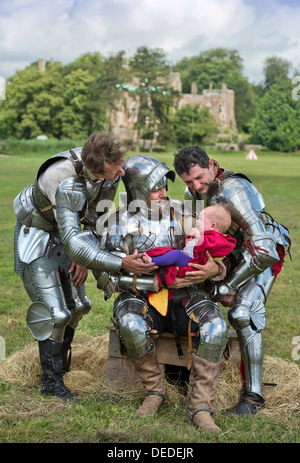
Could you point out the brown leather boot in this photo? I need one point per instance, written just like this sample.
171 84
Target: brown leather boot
148 370
203 385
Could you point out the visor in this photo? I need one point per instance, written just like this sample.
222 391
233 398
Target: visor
162 183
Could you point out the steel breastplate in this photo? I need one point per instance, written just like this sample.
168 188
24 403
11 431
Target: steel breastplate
147 231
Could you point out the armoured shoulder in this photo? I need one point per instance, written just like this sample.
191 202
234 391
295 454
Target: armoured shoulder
72 155
239 189
239 195
71 194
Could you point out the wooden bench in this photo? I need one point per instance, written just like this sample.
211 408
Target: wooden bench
117 369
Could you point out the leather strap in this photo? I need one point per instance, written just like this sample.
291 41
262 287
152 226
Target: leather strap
78 163
155 393
134 289
162 277
202 410
46 219
174 326
27 225
189 365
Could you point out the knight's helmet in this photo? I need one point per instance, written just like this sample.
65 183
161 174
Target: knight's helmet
144 174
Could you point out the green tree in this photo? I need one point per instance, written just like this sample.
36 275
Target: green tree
74 117
277 121
246 98
192 125
33 102
217 66
154 93
103 93
275 70
209 67
70 101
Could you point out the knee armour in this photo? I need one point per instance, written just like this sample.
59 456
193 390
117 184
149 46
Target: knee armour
133 324
249 308
46 322
48 315
212 326
239 315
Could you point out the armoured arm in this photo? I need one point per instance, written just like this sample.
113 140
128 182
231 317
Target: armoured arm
258 248
113 283
112 238
82 246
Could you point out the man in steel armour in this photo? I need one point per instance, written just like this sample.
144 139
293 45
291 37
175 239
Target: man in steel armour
55 245
254 263
150 219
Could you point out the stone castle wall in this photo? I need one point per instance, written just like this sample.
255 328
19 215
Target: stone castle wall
220 103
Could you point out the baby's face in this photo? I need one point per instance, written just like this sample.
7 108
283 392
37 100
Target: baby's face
204 222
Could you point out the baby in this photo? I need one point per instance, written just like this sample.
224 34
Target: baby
208 235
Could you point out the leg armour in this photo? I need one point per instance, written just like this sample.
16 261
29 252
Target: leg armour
247 317
48 314
133 325
212 326
76 300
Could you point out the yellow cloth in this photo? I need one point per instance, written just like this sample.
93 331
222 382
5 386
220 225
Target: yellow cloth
160 301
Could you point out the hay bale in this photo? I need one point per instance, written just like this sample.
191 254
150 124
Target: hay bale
284 398
229 386
89 355
23 367
88 358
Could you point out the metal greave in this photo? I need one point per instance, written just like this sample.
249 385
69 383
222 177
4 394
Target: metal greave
56 303
247 317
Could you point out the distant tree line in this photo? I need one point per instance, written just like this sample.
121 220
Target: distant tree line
74 100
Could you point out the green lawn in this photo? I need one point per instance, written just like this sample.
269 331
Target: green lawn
100 415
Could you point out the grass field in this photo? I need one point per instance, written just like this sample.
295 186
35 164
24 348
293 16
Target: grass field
105 416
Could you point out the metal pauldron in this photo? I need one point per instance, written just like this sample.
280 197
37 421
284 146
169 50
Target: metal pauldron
133 325
260 235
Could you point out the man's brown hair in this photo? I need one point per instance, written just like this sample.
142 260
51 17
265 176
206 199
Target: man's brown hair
100 148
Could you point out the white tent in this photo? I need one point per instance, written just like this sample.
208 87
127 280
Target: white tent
251 155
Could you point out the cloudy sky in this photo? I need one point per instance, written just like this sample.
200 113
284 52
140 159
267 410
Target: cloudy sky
65 29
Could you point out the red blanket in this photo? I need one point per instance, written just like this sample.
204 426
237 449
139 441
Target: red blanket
216 243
